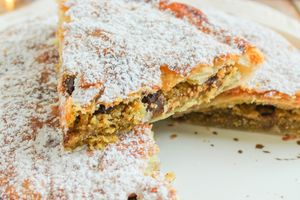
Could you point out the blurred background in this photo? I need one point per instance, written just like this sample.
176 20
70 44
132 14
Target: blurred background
11 5
288 7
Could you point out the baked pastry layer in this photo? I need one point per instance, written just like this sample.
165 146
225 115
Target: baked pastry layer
251 117
127 62
270 98
33 163
105 122
280 70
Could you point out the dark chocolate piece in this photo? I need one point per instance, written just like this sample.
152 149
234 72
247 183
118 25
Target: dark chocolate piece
155 103
69 84
103 110
132 197
265 110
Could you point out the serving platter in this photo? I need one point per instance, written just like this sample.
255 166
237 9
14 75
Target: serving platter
220 164
214 164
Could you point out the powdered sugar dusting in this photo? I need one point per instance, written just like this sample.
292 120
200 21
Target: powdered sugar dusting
281 69
121 45
33 163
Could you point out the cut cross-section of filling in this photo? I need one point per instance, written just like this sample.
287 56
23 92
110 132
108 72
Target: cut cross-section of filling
104 122
252 117
123 63
270 99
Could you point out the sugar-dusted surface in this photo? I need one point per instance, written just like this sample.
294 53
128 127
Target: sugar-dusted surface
281 69
118 46
32 161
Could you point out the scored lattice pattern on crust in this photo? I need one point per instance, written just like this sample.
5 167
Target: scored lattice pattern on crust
33 163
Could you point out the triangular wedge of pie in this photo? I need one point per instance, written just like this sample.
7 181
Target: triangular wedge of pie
33 162
124 62
270 99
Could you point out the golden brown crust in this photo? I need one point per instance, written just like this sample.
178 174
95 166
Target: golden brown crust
169 78
276 82
123 70
200 20
239 95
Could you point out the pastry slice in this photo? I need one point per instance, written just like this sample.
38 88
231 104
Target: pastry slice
270 99
33 163
124 62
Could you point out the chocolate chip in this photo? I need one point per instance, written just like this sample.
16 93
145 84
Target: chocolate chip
212 80
69 84
265 110
155 102
77 120
151 98
103 110
132 197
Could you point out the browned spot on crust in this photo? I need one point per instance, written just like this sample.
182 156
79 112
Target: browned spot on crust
195 16
43 58
11 192
44 76
99 33
29 193
35 125
55 111
86 84
154 190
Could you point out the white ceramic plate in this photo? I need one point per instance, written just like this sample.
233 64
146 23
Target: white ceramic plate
209 166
